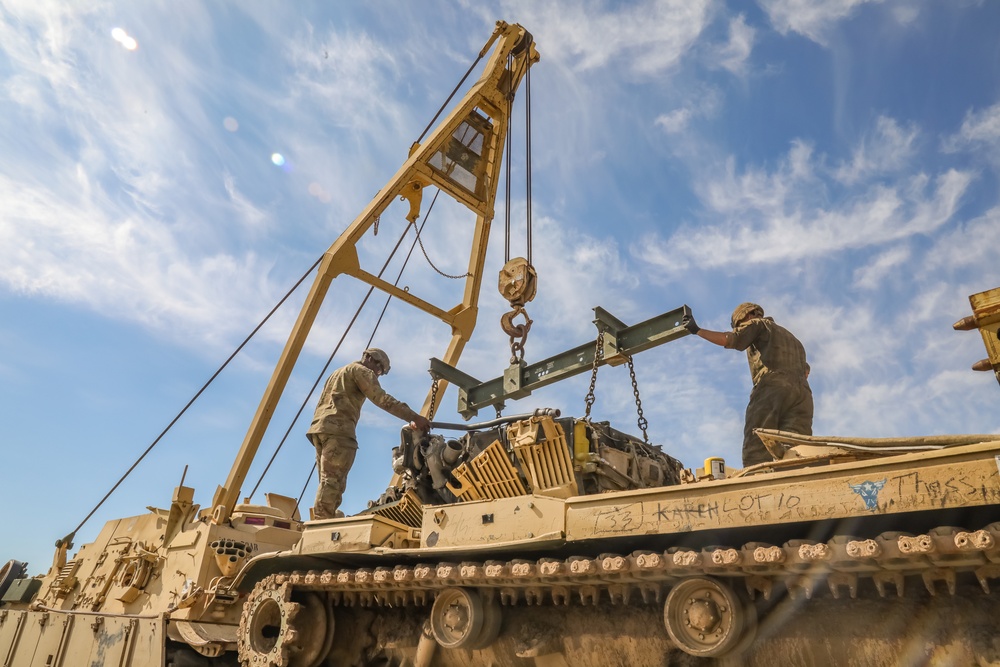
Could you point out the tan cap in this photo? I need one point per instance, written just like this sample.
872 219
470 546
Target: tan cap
378 356
743 310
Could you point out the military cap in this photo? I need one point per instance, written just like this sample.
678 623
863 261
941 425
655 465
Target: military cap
743 310
378 356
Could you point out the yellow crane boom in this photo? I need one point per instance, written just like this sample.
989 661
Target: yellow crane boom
462 158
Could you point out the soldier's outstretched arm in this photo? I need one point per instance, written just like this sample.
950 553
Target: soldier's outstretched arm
720 338
369 384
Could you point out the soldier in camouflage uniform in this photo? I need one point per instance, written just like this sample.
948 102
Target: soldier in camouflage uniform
781 397
337 413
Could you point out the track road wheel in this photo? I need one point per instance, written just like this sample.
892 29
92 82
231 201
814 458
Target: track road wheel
492 617
704 617
457 618
749 627
276 631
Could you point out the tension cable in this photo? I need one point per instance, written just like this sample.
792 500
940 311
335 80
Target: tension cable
336 349
68 540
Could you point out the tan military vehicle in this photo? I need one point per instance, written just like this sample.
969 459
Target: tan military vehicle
539 539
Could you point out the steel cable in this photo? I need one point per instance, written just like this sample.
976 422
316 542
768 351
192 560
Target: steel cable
336 349
69 537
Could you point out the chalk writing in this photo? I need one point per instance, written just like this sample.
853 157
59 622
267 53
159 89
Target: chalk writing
955 490
618 519
713 511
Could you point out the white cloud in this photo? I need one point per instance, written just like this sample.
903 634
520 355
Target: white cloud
899 403
253 217
124 267
970 244
734 55
674 121
871 275
887 149
345 74
810 18
703 104
763 217
905 14
647 37
758 190
979 129
106 200
841 341
123 193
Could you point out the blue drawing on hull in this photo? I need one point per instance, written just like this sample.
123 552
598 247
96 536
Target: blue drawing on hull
868 492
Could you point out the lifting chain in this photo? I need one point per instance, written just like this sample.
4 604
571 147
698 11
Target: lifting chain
598 355
516 331
638 402
431 263
434 398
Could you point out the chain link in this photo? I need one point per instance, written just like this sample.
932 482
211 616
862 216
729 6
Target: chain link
598 355
434 397
516 331
516 351
638 402
428 257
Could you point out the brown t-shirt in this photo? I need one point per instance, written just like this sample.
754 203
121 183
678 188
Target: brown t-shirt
770 348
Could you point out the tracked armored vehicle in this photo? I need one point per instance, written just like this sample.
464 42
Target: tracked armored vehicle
541 539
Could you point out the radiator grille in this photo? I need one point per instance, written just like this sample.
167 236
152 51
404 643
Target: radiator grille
547 464
490 475
408 510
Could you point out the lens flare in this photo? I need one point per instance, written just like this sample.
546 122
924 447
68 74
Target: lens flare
317 191
123 38
230 123
278 159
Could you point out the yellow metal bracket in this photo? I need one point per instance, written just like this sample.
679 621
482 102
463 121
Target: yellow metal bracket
985 317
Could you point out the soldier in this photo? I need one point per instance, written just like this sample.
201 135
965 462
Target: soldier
781 397
335 419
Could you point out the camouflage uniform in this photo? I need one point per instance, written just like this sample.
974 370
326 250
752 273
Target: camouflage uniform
333 429
781 397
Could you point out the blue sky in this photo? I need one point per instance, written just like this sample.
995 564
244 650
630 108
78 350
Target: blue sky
834 161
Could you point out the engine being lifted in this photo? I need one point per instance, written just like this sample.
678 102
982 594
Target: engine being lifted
540 453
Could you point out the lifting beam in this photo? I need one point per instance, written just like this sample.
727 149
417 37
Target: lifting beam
520 379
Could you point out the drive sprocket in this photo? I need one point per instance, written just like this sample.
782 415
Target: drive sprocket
276 631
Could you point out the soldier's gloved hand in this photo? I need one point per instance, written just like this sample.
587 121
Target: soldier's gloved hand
688 323
421 423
